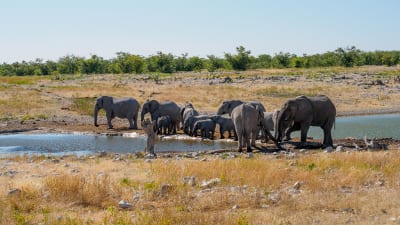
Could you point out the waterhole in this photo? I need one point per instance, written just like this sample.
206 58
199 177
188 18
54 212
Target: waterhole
373 126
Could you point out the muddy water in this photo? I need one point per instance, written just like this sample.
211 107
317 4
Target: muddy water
82 144
375 126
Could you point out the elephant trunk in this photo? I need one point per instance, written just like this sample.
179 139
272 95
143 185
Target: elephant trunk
142 115
96 111
279 129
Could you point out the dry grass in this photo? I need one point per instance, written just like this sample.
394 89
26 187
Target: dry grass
340 188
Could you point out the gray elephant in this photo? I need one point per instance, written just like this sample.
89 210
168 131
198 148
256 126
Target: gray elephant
164 125
122 108
187 111
189 123
227 106
302 112
270 119
247 120
225 124
206 127
157 109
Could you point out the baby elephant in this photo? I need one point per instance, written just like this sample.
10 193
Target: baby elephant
225 124
206 127
164 125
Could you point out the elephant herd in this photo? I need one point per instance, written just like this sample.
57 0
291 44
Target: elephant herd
244 121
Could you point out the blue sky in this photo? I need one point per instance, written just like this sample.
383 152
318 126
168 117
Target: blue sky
49 29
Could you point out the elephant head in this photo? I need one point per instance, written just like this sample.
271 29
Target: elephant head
285 118
149 107
103 102
226 107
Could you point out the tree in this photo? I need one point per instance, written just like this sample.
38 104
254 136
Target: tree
94 65
349 57
161 62
281 60
214 63
69 64
240 61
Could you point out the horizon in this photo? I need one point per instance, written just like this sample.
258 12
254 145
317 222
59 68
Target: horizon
49 30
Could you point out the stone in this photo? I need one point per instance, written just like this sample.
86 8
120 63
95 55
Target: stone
189 180
297 185
210 183
14 191
235 207
328 149
123 204
165 189
249 155
339 148
274 197
102 154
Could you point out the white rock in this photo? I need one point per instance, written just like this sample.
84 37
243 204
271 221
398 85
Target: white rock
124 204
210 183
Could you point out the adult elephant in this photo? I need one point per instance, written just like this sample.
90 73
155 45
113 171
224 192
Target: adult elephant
157 109
302 112
227 106
114 107
247 119
187 111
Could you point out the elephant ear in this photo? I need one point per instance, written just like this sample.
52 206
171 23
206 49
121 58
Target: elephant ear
152 105
106 101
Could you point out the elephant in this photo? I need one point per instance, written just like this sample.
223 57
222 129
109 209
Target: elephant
206 127
270 119
227 106
157 109
247 120
122 108
186 112
189 123
164 125
225 124
302 112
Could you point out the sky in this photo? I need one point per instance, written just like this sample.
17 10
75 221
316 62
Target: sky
50 29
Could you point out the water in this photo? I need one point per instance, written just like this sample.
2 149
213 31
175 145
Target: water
375 126
83 144
372 126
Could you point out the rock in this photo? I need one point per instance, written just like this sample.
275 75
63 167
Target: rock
328 149
346 189
14 191
150 156
165 189
249 155
380 183
147 160
302 150
124 204
274 197
210 183
190 180
11 173
235 207
55 160
75 171
339 148
101 154
297 185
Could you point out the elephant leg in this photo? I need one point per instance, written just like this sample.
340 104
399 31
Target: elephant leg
135 121
131 126
109 117
328 141
253 135
240 141
304 131
251 142
221 133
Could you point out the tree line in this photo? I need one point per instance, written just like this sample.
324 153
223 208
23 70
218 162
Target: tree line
167 63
